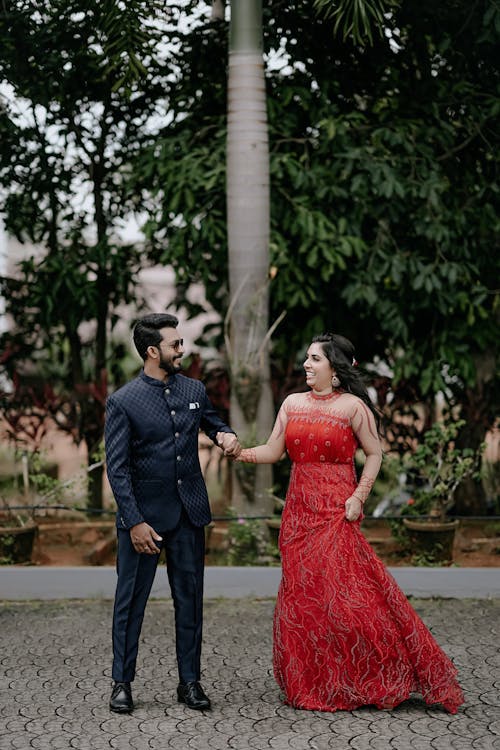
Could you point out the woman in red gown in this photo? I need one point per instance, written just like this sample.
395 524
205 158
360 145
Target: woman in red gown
344 633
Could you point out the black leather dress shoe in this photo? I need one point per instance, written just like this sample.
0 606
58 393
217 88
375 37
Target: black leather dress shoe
191 693
121 698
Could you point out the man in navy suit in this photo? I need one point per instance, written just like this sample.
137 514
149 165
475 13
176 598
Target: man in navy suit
151 438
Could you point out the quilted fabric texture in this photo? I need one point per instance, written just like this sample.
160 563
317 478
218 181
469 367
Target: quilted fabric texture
151 440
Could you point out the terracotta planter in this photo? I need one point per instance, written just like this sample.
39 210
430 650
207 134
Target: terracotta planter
16 543
432 540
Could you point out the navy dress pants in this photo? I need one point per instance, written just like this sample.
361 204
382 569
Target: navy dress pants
185 557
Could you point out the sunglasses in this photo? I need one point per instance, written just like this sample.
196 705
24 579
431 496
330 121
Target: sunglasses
176 344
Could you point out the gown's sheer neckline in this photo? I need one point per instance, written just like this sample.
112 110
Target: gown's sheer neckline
326 396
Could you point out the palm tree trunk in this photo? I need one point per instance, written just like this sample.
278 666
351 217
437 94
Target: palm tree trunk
252 411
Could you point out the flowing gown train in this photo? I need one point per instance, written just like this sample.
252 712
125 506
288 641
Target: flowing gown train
344 633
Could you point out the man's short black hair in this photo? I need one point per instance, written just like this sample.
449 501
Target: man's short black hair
147 331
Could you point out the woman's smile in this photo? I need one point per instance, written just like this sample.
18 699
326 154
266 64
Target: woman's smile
318 369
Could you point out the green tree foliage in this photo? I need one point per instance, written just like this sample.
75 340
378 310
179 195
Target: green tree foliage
384 164
83 83
384 189
358 20
403 157
184 169
384 182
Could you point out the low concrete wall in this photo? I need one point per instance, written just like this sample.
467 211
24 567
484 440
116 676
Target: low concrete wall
22 583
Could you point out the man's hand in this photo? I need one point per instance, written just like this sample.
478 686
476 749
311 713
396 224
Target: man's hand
353 508
143 537
229 444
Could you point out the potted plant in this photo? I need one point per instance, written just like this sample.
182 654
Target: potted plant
22 491
439 467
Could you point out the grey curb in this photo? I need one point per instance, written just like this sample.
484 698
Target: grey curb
37 583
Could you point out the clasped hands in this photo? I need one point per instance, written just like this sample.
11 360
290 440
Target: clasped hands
229 444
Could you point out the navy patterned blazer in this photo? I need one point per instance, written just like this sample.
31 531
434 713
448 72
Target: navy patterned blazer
151 439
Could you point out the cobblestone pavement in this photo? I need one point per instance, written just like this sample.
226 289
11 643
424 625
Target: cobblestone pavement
55 684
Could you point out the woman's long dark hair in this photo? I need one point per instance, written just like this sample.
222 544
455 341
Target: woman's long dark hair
339 351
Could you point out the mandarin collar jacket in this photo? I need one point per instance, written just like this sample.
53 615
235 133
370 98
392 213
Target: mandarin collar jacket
151 440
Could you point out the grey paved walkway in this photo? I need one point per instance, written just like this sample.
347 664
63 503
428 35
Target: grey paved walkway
55 684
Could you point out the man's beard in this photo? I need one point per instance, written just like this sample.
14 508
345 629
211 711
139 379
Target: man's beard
170 366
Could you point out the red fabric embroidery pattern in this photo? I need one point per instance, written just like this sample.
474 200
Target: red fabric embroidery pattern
344 633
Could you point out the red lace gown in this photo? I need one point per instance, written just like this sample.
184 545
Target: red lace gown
344 633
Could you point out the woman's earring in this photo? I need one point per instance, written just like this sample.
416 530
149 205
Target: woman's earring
335 381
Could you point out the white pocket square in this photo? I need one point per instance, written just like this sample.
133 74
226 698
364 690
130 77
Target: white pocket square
194 405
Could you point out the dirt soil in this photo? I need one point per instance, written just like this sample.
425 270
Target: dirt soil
68 542
476 544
